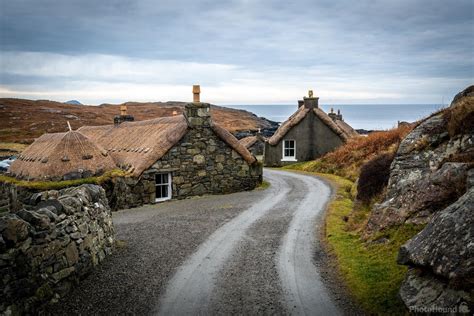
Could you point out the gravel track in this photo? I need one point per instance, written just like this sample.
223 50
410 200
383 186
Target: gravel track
245 253
158 238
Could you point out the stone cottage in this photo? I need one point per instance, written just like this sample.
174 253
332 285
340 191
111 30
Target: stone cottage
308 134
167 157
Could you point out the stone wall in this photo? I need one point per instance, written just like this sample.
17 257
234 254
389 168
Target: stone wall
8 198
45 250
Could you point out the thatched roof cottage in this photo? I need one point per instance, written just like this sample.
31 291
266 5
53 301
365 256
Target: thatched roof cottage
167 157
307 134
61 156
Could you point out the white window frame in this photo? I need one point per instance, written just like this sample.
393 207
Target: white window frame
288 158
170 187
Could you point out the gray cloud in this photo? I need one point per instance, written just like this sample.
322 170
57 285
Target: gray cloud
417 40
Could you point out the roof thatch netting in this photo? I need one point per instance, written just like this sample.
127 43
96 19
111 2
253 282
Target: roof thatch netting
341 130
52 156
135 146
230 139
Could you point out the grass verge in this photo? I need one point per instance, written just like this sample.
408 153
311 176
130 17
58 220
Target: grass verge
264 185
369 269
7 149
56 185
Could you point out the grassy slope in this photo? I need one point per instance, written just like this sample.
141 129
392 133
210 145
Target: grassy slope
24 120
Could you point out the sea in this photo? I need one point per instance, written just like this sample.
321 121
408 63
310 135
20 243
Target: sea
359 116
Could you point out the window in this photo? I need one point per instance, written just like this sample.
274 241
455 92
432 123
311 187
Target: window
163 186
289 150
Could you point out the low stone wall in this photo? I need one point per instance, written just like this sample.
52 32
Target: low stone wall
44 251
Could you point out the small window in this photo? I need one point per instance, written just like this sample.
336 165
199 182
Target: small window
289 150
163 186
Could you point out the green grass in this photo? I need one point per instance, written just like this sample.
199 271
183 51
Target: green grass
369 269
264 185
56 185
11 148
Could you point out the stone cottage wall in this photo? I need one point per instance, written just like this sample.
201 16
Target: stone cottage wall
46 250
201 163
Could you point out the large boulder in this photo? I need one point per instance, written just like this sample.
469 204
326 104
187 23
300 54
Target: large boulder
441 260
430 168
432 185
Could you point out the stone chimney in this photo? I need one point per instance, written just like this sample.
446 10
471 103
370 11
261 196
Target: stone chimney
339 115
123 117
332 115
300 103
198 113
310 102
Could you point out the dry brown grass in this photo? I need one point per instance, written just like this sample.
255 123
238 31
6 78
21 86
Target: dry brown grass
461 117
347 160
24 120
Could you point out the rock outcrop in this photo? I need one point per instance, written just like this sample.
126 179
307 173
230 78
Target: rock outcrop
441 258
432 184
46 249
430 168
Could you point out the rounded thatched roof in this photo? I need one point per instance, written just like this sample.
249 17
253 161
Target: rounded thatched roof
61 156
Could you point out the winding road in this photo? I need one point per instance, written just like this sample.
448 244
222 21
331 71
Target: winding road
243 253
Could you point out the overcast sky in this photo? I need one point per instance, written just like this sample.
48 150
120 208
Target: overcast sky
241 52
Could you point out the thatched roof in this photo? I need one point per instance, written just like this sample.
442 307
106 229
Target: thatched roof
135 146
230 139
299 115
248 141
346 128
52 156
131 146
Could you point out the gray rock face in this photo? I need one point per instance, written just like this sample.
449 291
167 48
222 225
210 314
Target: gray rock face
43 252
445 246
426 175
431 183
423 293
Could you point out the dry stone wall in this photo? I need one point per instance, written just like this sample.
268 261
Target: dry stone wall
45 250
8 198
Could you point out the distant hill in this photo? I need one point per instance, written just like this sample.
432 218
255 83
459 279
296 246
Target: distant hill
24 120
75 102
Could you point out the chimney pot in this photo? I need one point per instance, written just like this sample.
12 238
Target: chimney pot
196 93
310 102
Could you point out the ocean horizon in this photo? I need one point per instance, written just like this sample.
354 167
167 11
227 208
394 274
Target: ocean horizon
359 116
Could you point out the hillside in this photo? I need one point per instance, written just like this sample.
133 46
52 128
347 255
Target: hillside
24 120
